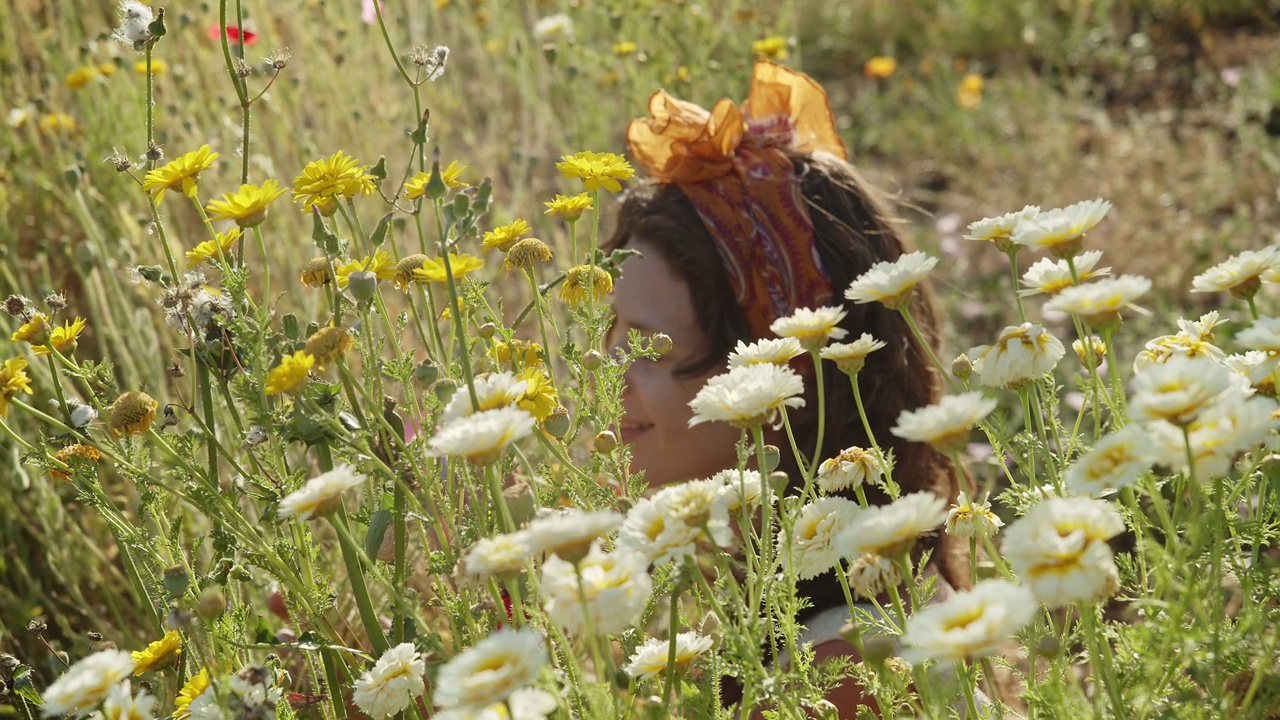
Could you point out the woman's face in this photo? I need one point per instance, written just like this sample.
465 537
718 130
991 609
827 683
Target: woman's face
652 299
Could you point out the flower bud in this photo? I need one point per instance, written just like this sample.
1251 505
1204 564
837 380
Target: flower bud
557 423
426 372
592 360
444 388
877 649
962 367
487 330
605 442
1048 646
660 343
176 580
771 458
778 482
362 284
520 501
211 604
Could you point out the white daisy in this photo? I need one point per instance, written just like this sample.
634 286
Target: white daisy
1233 425
1047 276
1256 367
1097 345
969 625
1263 334
1001 227
813 541
891 282
747 396
946 424
570 532
86 683
649 532
393 682
499 556
812 328
851 357
492 670
972 519
121 705
493 390
1177 390
778 351
553 28
1100 303
482 437
1240 274
616 587
650 658
1061 230
870 575
524 704
853 467
1195 339
1116 461
738 489
693 503
1022 353
1059 550
321 494
892 529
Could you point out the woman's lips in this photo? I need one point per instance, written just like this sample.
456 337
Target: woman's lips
630 430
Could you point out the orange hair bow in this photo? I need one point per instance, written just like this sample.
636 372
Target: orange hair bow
733 165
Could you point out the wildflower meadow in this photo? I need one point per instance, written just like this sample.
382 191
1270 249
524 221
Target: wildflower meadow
311 408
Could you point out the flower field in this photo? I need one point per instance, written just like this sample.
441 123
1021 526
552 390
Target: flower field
310 405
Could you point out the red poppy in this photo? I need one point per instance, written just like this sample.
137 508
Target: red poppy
233 34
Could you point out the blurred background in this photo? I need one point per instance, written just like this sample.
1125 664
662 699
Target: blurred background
958 109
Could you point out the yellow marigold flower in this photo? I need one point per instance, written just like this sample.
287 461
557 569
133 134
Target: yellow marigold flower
525 253
518 353
433 269
570 208
504 236
417 185
317 272
291 374
107 69
540 398
773 47
66 455
328 344
880 67
63 339
158 67
34 330
58 122
624 48
189 692
248 205
404 270
324 180
380 264
582 277
13 380
680 75
80 77
208 249
157 653
132 414
597 170
969 93
181 173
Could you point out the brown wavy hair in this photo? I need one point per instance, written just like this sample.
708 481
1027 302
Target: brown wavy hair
853 230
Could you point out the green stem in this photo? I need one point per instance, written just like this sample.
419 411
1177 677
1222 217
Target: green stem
351 557
928 348
673 626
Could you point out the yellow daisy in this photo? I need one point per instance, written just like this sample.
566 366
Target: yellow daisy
63 339
181 173
417 185
32 330
291 374
208 249
519 353
157 653
597 170
773 47
880 67
540 398
504 236
13 380
80 77
433 269
158 67
328 344
248 205
338 175
571 207
624 48
380 264
189 692
582 277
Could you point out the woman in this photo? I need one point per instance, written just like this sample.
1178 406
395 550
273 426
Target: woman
751 215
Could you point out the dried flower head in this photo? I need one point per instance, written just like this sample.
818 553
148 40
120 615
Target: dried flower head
131 414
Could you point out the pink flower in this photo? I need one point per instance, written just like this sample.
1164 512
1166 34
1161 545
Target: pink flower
369 12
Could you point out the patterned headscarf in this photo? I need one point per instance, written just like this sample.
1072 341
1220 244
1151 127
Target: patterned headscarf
732 163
